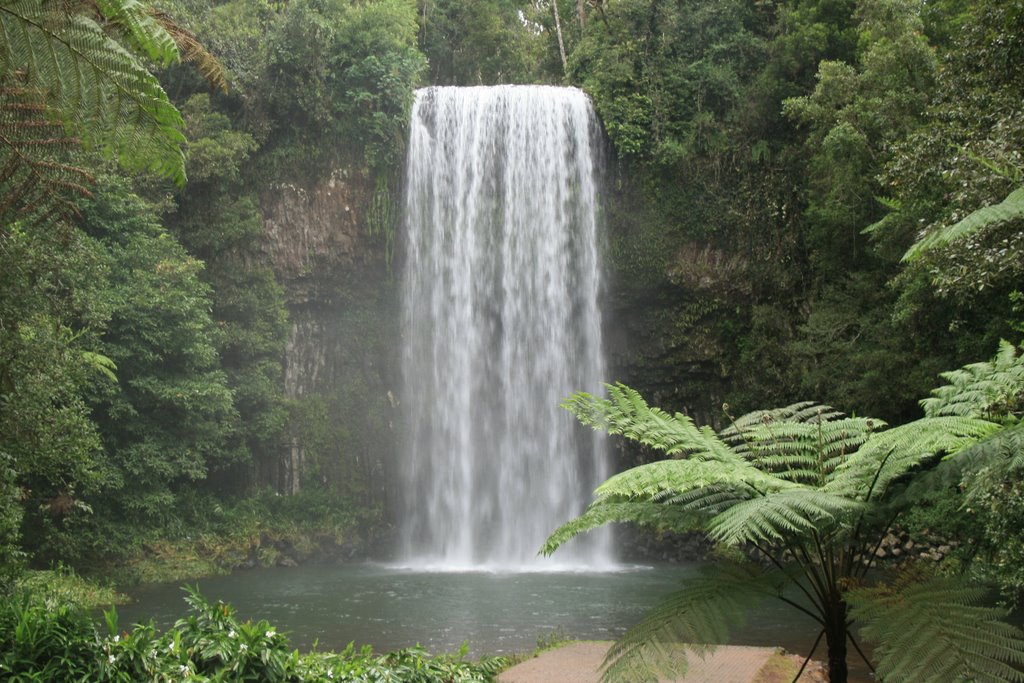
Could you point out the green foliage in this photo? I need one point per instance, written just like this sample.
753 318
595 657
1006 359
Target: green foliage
50 301
478 42
92 83
62 586
813 493
343 71
936 629
43 640
1009 210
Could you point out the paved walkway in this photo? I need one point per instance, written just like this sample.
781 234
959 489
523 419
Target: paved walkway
581 662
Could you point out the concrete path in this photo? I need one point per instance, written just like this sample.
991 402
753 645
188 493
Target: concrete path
581 662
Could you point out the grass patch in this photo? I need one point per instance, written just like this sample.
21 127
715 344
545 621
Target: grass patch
63 586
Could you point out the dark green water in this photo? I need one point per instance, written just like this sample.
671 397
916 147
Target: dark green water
496 613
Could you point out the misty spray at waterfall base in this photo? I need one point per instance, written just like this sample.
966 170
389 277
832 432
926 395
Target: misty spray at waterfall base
501 322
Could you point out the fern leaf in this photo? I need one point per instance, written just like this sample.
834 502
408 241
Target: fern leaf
626 413
690 621
36 180
981 389
891 454
98 88
936 630
193 51
1010 209
658 480
653 515
778 515
144 32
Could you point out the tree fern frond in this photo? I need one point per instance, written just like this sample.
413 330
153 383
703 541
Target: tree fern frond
642 513
891 454
36 182
935 630
689 621
804 442
708 499
626 413
193 51
95 85
981 389
674 477
144 32
776 516
1010 209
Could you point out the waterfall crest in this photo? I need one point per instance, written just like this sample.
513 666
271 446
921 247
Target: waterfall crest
500 324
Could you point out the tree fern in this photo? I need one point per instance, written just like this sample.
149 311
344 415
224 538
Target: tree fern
935 629
96 87
981 389
813 492
1010 209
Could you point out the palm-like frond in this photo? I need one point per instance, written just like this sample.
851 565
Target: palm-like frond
981 389
193 51
1010 209
142 29
690 621
36 180
889 455
803 442
642 513
779 515
661 480
626 413
93 84
936 630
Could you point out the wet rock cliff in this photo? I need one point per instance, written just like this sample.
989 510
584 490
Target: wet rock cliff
341 354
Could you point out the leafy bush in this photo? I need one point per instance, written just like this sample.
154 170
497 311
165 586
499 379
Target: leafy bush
41 640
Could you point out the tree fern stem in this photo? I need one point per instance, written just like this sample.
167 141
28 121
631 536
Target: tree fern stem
810 654
835 638
826 566
807 567
856 647
881 539
783 570
797 605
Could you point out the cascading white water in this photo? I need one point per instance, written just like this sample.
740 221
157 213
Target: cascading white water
501 323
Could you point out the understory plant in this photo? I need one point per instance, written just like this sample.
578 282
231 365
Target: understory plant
798 501
45 640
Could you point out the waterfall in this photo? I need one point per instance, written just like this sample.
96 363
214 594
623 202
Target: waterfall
500 324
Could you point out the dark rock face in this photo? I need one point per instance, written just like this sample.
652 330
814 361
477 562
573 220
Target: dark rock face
341 355
316 234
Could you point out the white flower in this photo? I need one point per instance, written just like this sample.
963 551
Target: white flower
271 633
231 633
111 659
330 673
183 668
243 647
117 639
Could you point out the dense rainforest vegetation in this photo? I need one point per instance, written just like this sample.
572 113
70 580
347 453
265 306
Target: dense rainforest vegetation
191 369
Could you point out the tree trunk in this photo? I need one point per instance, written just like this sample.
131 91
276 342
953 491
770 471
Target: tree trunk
561 43
835 639
582 14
